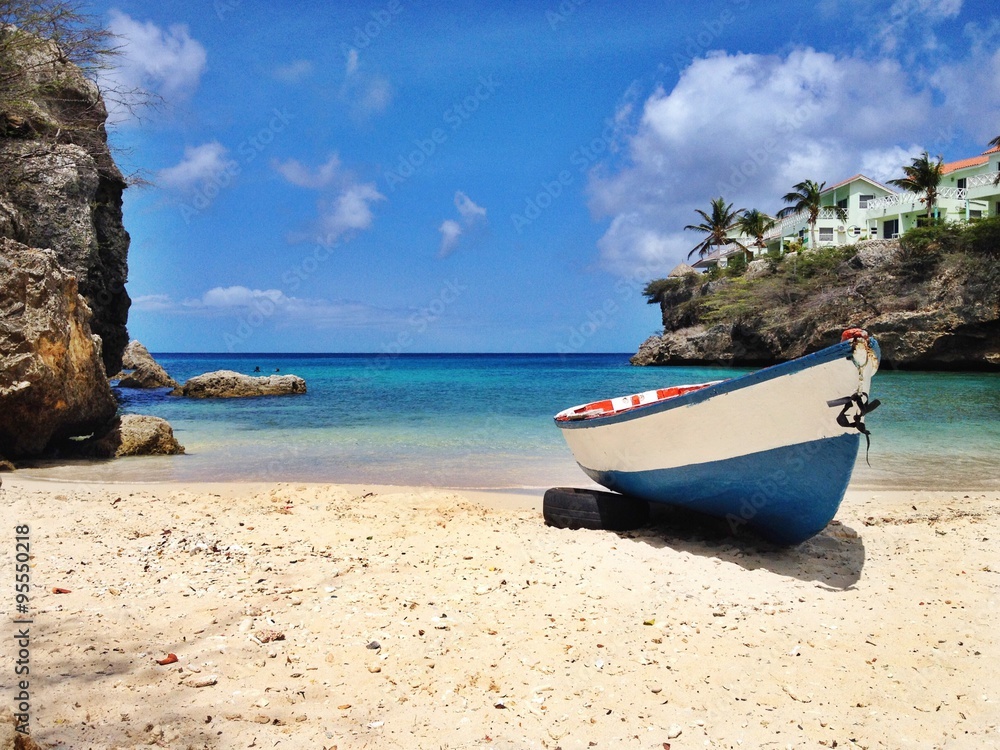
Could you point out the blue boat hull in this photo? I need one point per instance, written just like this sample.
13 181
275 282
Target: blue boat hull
772 449
786 495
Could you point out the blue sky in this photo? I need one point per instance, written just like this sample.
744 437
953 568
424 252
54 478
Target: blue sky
408 176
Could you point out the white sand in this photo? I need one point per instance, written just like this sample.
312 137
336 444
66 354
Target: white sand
494 630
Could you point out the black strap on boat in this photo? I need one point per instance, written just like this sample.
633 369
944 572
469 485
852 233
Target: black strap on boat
860 400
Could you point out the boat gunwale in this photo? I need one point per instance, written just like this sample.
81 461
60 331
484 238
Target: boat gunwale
840 350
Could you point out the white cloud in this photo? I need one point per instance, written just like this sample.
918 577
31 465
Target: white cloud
347 204
471 215
165 62
450 231
350 211
294 71
274 307
887 163
971 86
748 127
365 93
200 164
298 174
152 303
469 211
238 296
352 62
908 27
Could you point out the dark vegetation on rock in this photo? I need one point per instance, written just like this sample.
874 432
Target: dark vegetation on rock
932 299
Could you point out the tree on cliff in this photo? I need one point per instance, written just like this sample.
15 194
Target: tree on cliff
717 226
808 196
755 223
922 176
51 55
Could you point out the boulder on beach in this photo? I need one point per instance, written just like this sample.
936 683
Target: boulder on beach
132 435
140 370
230 384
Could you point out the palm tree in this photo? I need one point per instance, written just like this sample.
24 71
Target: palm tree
717 226
922 176
754 223
807 196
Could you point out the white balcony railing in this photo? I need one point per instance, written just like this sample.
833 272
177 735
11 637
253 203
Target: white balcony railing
797 221
982 180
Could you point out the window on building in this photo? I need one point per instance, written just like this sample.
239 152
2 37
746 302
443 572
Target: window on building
826 234
975 214
842 203
961 183
890 229
865 199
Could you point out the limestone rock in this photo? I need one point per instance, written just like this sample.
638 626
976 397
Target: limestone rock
230 384
758 268
877 253
949 319
133 435
52 380
145 372
61 190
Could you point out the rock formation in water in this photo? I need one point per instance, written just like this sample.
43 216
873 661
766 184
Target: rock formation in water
230 384
928 309
140 370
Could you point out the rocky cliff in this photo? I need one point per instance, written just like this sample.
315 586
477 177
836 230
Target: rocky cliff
63 252
60 188
52 382
930 305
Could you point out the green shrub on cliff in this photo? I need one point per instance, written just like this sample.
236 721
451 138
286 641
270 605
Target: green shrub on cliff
983 237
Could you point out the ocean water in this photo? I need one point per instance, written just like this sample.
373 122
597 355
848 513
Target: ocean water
485 421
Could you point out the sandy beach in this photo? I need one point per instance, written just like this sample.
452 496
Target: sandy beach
318 616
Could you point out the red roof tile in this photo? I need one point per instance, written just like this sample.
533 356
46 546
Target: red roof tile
972 161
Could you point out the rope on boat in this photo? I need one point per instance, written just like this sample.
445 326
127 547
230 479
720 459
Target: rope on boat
861 354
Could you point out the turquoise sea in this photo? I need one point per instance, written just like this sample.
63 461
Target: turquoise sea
460 420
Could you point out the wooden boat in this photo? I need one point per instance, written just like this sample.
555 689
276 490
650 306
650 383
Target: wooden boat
773 449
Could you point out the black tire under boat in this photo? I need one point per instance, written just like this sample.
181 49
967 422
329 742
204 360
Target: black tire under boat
573 508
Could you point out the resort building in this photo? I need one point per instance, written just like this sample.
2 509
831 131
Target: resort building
860 208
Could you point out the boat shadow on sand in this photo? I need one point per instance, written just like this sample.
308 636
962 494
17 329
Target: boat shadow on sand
833 558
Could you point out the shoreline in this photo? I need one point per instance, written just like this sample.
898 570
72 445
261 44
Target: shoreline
321 615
